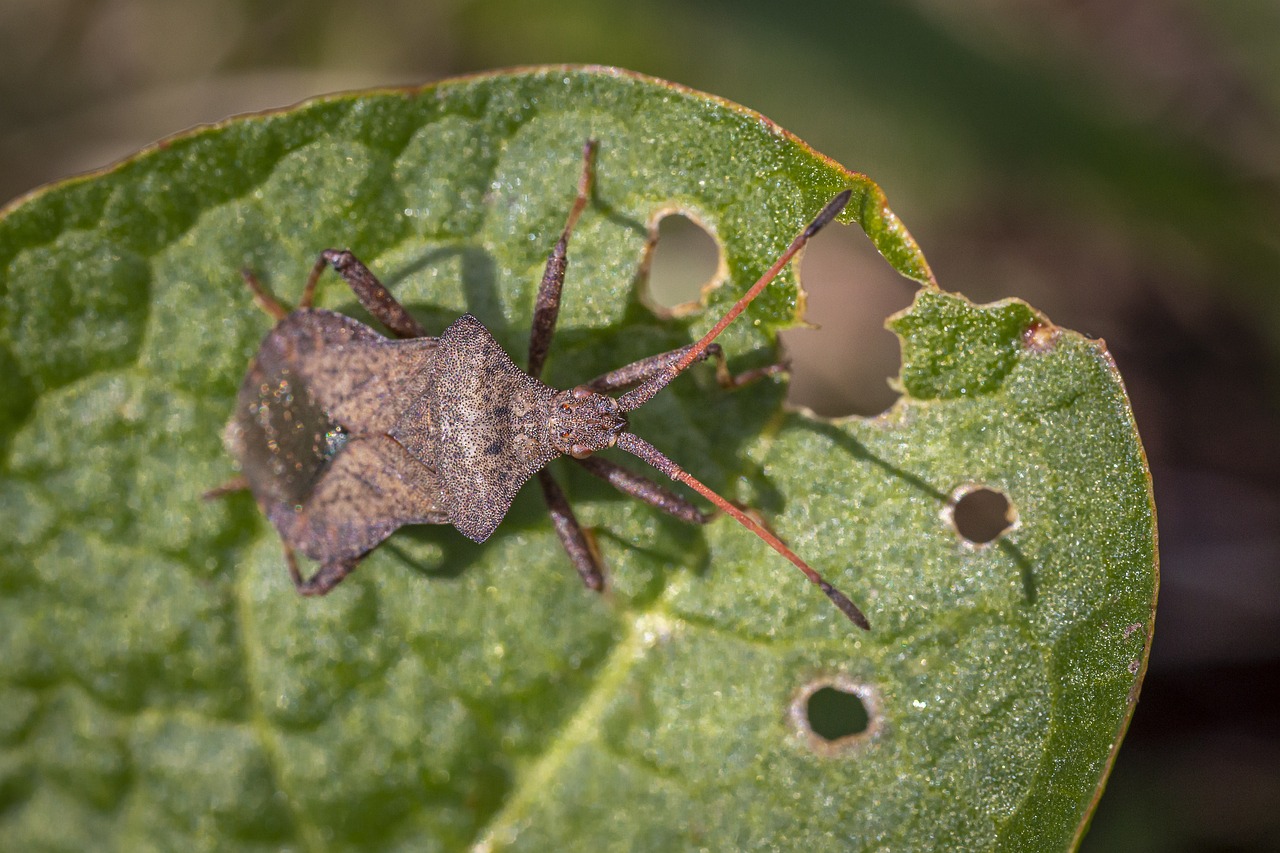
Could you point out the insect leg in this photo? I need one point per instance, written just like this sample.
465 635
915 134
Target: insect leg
633 444
309 289
238 483
746 377
325 578
266 301
547 308
638 371
376 299
577 541
644 489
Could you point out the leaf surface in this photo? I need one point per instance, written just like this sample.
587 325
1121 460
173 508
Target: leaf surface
162 687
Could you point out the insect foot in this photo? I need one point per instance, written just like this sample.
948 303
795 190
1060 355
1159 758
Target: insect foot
344 435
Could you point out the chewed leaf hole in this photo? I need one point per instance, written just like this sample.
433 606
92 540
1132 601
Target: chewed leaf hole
980 515
843 360
834 714
684 260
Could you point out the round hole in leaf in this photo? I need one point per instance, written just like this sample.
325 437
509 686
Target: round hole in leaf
982 515
685 259
834 714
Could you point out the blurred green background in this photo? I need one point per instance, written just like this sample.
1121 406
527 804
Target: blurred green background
1115 164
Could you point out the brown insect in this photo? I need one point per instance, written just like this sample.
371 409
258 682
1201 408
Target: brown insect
344 435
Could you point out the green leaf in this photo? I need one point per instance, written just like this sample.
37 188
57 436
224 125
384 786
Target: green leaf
163 687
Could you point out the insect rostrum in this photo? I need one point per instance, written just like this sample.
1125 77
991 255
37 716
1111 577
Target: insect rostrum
344 435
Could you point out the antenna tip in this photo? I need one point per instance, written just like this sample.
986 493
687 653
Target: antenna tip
828 213
847 607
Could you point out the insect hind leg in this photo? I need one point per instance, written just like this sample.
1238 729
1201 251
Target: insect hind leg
266 300
323 580
373 295
263 297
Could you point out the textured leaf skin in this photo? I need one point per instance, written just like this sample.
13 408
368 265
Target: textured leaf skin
162 687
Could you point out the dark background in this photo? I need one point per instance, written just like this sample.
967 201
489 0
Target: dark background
1115 164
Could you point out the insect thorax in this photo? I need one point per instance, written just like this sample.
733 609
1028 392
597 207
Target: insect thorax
490 421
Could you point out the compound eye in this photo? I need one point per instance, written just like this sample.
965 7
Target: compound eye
580 451
581 392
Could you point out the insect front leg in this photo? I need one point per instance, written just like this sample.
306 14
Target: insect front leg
638 371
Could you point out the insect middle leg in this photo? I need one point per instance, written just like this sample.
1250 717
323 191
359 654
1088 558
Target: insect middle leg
578 542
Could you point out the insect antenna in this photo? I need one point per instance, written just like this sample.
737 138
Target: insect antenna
642 449
644 392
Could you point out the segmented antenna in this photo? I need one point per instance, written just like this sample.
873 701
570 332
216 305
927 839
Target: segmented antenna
644 392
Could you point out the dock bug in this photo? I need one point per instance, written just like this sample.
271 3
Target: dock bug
344 435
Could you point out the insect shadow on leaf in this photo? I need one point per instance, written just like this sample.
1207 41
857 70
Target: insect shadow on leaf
344 436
